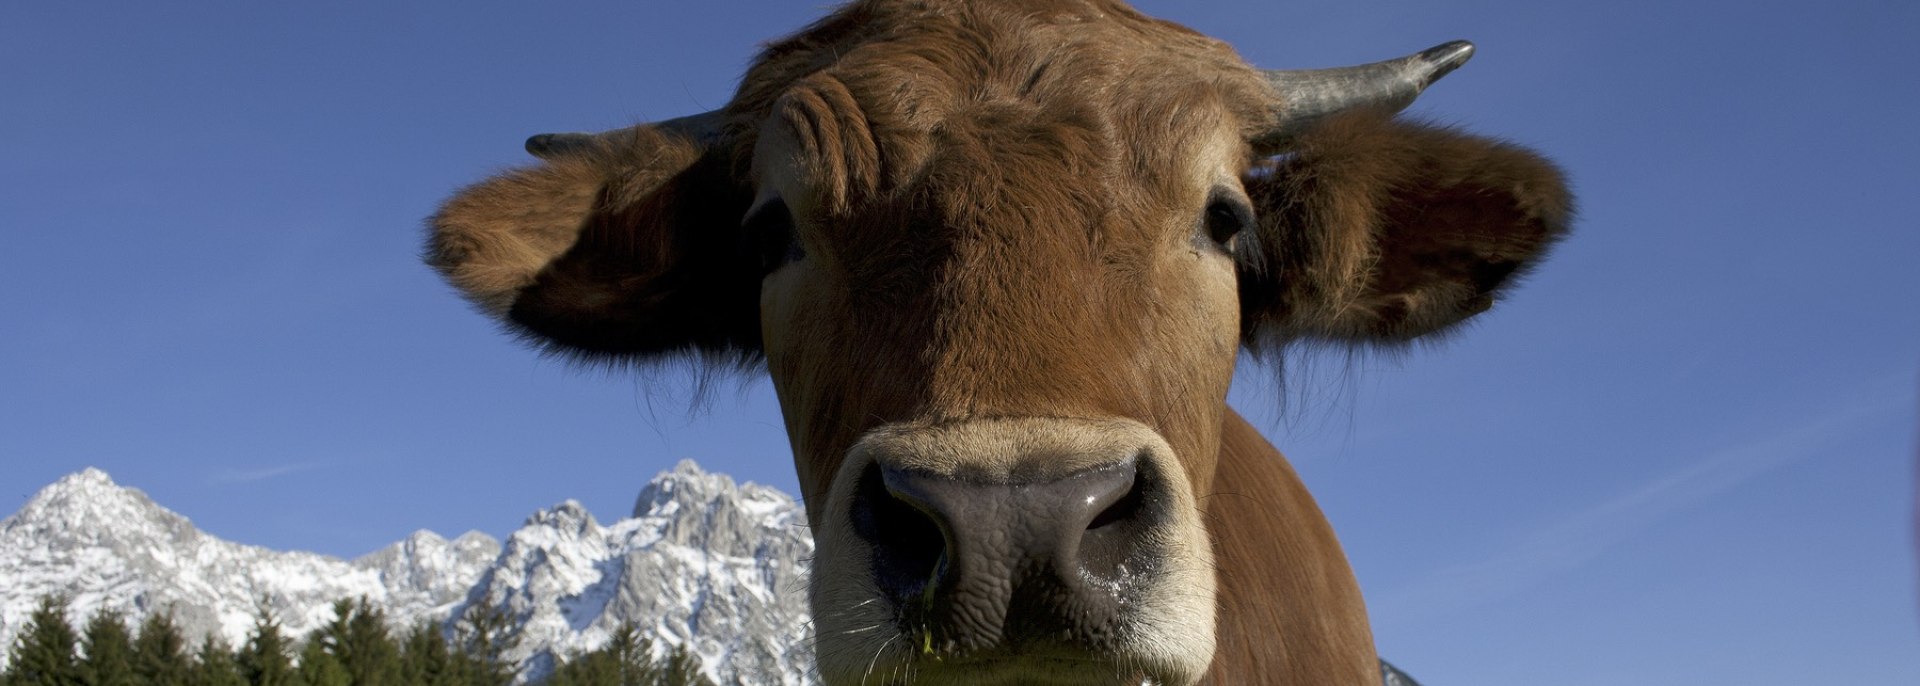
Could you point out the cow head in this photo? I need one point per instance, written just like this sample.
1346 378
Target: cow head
999 260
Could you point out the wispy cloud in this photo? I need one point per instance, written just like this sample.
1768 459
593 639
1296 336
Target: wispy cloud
227 477
1587 534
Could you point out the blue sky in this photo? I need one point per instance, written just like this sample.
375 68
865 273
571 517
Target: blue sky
1682 454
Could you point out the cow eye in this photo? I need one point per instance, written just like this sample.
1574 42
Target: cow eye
1226 218
769 230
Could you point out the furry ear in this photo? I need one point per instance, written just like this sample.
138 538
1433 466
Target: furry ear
620 248
1379 230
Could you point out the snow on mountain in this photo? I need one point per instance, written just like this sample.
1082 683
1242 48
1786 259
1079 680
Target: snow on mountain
703 562
107 546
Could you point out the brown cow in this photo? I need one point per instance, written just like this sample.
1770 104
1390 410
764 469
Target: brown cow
999 259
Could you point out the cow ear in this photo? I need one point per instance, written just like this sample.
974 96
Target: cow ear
1376 230
619 247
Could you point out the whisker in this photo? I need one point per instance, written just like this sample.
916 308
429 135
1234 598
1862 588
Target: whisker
876 659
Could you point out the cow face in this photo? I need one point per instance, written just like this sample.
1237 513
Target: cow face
1002 360
998 263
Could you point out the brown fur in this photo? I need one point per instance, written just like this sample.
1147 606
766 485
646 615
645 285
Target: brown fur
620 250
996 202
1290 610
1381 230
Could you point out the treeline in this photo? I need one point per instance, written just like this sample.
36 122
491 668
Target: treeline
355 648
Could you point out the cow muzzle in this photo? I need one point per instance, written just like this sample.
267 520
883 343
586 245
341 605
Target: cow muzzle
1024 550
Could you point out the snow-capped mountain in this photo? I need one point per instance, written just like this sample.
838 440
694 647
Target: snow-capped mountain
110 547
703 562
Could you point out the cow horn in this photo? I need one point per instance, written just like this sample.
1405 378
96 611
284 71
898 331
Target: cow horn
1304 96
699 127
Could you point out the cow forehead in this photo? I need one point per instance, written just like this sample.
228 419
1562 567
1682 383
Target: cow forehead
878 95
1008 241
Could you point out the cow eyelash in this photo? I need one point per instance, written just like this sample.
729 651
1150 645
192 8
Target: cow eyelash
769 230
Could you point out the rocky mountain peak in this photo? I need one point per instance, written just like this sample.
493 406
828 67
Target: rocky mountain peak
569 517
88 508
710 511
703 563
427 561
686 485
84 493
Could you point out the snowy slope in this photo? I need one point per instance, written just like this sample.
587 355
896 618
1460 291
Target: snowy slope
703 562
106 546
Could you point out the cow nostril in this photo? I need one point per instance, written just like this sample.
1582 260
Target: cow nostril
1124 509
907 544
1110 547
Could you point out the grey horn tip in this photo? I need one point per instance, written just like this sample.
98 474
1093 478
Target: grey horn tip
1446 57
547 145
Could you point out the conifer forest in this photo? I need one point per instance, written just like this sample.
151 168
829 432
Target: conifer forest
355 648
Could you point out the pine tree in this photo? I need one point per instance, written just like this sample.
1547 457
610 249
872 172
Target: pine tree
630 655
108 651
319 668
214 665
682 669
484 639
159 653
265 660
595 668
627 660
358 638
43 650
427 660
